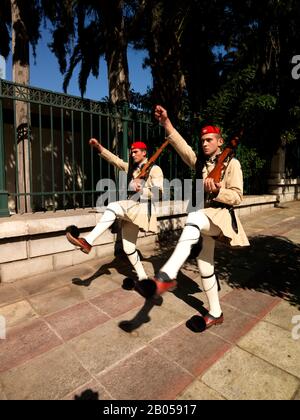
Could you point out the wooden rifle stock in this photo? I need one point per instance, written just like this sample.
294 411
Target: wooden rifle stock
216 173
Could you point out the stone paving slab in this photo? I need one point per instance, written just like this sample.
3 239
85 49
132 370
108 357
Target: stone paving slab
241 376
2 394
241 276
76 320
251 302
145 375
236 324
297 395
93 290
17 312
56 300
293 236
193 352
282 315
49 281
274 345
49 376
92 286
90 391
150 322
24 342
184 306
117 302
103 346
199 391
9 294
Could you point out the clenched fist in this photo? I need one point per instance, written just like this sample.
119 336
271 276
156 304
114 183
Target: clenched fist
161 115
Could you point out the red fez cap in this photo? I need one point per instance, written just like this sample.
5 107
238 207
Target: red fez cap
210 129
138 145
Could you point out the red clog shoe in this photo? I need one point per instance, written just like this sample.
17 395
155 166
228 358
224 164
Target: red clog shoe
80 242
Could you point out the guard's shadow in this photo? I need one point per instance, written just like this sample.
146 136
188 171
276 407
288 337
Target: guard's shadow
186 286
119 263
270 265
142 317
184 291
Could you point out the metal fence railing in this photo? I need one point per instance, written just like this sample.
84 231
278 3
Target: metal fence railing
46 161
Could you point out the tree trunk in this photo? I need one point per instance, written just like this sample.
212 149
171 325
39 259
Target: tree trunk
20 49
118 84
116 52
117 67
164 48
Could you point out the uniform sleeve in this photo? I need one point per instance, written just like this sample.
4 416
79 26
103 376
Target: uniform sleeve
232 191
185 151
114 160
155 181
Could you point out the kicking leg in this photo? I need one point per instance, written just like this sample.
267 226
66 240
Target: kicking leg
166 278
112 211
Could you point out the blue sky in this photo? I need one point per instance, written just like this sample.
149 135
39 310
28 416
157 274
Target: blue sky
44 73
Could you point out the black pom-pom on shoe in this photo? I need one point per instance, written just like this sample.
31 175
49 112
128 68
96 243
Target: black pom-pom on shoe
196 323
146 288
73 230
128 283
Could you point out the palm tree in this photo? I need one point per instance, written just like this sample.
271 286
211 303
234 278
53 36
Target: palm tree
99 30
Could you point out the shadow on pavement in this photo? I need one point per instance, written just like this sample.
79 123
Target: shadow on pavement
270 265
88 394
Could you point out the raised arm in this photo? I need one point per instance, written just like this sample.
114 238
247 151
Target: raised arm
110 157
185 151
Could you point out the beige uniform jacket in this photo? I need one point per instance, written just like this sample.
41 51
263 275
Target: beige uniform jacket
231 191
140 213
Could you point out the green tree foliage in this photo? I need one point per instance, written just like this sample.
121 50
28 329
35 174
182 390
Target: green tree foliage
213 62
27 28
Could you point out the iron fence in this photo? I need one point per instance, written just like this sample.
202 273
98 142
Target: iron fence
46 161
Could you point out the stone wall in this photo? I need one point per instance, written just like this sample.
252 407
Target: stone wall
35 243
285 189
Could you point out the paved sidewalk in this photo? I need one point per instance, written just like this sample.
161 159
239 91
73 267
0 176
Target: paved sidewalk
64 335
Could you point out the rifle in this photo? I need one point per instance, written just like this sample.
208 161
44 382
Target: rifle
147 167
229 151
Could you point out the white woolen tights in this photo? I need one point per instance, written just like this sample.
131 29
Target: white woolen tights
198 223
205 262
109 216
129 236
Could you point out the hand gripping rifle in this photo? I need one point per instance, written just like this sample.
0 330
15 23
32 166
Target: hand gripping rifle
217 172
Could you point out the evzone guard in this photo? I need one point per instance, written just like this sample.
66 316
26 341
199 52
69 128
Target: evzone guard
137 212
216 221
